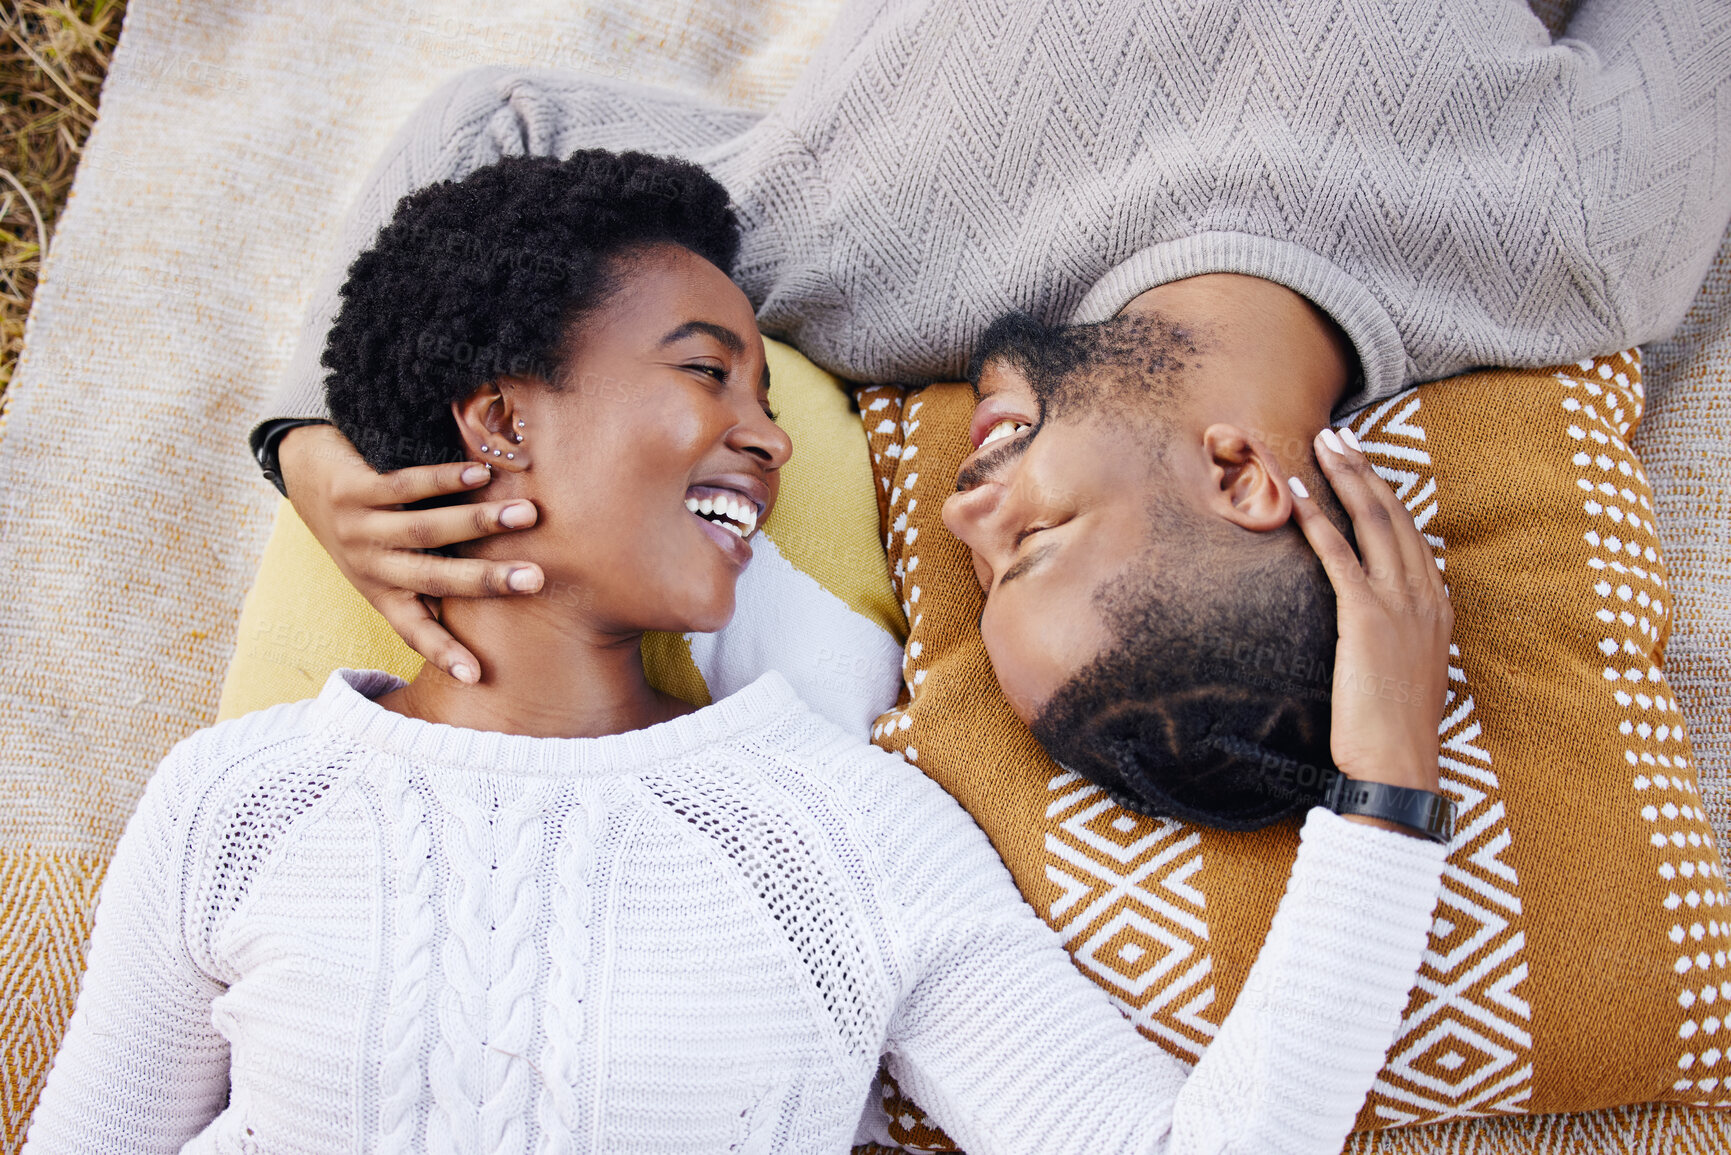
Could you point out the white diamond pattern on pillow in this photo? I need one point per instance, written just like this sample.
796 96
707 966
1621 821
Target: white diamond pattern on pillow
1151 953
1464 1047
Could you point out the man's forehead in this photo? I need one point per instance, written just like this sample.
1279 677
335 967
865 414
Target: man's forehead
1001 368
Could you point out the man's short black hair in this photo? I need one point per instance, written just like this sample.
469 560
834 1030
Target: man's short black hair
486 276
1211 701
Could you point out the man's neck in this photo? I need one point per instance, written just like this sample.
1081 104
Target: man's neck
1273 362
544 674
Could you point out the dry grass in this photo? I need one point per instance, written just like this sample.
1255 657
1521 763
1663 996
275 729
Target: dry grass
52 60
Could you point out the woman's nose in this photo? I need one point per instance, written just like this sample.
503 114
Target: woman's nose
761 437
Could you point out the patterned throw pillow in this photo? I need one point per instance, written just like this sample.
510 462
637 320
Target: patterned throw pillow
1578 958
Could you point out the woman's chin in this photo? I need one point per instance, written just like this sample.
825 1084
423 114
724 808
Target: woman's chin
707 615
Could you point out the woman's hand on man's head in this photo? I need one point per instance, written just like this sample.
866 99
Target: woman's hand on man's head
1394 620
358 516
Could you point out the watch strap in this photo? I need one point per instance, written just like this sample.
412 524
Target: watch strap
267 437
1424 812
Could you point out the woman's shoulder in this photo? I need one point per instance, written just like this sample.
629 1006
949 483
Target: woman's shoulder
249 760
205 756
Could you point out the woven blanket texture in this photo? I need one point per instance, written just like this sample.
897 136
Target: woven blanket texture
232 137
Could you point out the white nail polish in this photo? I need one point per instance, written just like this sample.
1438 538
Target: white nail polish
1329 439
1351 438
1297 487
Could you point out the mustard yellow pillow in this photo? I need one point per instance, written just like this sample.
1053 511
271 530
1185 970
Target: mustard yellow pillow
815 602
1579 954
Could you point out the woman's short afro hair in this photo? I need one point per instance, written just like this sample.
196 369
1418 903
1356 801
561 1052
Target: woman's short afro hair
484 277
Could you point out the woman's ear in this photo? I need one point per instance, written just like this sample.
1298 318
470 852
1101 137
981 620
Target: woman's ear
1248 486
493 427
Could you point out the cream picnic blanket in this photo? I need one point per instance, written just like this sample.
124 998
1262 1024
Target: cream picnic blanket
232 135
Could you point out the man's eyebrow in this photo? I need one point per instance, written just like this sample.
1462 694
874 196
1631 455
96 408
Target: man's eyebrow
1027 563
733 341
981 469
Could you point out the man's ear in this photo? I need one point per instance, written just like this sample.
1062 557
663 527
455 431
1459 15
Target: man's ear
492 425
1248 486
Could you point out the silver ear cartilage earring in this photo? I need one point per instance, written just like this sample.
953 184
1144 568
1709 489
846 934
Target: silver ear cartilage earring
495 453
510 457
519 423
483 449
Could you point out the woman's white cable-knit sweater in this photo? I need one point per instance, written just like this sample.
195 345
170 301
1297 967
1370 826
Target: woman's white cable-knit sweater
332 928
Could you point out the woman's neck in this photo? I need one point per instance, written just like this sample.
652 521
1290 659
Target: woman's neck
542 675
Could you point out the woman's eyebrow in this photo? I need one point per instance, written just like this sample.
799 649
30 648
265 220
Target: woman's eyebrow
733 341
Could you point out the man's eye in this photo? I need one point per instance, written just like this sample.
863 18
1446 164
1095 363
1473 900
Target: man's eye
715 371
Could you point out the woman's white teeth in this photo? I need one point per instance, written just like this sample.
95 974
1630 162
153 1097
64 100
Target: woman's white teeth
741 515
1002 430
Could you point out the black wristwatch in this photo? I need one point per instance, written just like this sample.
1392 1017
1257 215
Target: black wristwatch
1424 812
267 436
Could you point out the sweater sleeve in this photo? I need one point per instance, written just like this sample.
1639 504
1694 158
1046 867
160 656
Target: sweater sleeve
473 121
1652 106
141 1068
1010 1049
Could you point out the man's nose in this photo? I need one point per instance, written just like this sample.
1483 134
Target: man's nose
965 514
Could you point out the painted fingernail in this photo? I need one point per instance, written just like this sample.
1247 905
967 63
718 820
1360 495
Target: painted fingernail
517 516
1297 487
524 580
463 673
1351 438
474 475
1333 442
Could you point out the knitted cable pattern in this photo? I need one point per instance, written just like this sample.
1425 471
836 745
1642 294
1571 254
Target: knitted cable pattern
401 1067
477 1071
561 1107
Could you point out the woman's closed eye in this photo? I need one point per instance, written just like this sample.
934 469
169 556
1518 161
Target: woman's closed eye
719 374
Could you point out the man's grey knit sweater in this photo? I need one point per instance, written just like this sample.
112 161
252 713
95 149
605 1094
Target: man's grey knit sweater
1450 185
